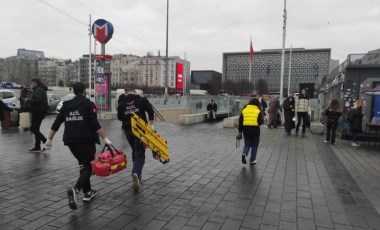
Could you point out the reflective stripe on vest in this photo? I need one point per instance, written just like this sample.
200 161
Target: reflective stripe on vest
250 115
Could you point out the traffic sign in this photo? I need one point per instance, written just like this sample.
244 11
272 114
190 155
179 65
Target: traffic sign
102 30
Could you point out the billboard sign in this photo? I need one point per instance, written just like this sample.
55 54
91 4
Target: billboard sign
101 89
179 77
102 57
102 30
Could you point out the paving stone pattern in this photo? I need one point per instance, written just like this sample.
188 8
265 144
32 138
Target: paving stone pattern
298 183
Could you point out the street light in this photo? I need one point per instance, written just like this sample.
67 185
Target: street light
167 47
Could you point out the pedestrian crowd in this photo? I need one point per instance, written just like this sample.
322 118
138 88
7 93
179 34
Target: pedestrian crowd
296 112
82 129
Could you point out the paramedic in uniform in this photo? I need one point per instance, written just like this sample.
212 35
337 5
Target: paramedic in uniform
82 131
133 103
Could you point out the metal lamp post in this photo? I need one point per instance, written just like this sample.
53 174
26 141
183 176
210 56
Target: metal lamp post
283 55
167 48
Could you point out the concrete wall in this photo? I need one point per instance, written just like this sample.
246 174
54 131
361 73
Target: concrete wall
170 115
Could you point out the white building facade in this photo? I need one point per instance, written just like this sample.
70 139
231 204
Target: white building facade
148 71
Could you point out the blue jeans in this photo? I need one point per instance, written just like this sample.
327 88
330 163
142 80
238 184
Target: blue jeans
138 152
253 143
354 137
288 131
212 114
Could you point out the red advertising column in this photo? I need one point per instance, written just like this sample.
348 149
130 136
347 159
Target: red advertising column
179 77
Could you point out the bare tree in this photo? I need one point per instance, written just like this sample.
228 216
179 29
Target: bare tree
228 86
14 69
3 73
262 86
214 86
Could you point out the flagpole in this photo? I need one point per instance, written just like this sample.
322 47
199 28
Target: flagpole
250 64
283 55
290 69
89 58
95 71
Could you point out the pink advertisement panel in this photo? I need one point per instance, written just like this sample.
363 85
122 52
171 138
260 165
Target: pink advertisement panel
101 89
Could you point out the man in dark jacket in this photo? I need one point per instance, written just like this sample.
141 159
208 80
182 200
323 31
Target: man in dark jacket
82 131
38 105
212 107
131 104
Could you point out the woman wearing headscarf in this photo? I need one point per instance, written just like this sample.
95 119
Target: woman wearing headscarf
274 107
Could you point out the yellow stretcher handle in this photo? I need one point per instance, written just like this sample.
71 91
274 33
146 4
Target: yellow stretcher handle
150 138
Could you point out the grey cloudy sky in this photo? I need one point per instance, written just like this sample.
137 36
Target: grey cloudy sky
204 29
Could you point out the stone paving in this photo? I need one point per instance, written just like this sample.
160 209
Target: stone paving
298 183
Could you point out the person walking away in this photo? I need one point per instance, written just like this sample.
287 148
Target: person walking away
289 113
302 109
131 104
250 119
333 112
264 106
274 107
212 107
38 106
82 131
4 115
355 119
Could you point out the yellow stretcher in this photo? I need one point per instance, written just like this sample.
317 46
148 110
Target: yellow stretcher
150 138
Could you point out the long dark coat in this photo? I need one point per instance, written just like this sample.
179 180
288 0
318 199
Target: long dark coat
274 106
289 114
356 120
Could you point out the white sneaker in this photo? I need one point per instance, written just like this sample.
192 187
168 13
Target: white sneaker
136 182
353 144
327 142
89 195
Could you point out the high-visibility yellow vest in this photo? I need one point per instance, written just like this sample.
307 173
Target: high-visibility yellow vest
250 115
